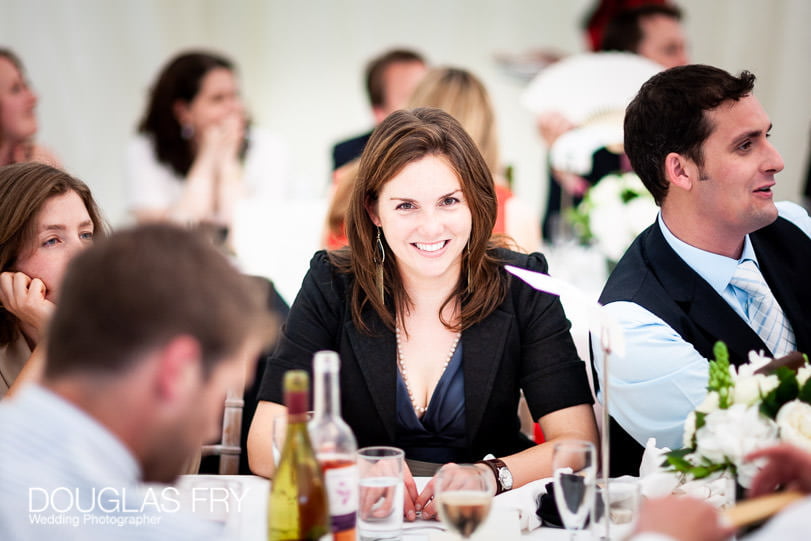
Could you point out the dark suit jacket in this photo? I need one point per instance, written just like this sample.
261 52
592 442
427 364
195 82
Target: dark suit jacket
653 276
346 151
524 344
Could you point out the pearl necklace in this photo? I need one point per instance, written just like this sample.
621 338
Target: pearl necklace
404 372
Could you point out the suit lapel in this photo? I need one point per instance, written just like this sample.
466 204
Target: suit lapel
482 351
376 357
706 308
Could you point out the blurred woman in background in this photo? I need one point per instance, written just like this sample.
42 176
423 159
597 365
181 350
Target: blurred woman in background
18 119
195 156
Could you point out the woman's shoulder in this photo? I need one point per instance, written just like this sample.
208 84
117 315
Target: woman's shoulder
327 270
534 261
43 154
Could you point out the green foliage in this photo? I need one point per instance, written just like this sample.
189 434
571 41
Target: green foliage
679 461
786 391
720 379
627 195
805 392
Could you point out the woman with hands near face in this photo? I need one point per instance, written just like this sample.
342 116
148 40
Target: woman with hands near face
194 157
46 218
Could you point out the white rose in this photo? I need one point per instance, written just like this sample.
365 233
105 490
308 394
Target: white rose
710 403
794 420
757 360
803 374
746 391
731 434
640 212
750 389
689 430
768 384
606 222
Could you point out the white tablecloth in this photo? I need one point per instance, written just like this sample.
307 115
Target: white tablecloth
246 516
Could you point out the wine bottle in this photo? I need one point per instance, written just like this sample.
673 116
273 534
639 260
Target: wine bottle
335 447
298 507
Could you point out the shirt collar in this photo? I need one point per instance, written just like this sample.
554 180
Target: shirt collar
715 269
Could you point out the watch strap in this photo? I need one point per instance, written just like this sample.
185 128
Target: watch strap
495 464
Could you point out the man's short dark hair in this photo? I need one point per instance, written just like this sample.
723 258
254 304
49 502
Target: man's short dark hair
375 70
624 31
138 289
668 115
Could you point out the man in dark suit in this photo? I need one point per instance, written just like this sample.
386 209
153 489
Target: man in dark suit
722 262
390 80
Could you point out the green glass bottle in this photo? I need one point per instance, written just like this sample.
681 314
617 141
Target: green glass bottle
298 507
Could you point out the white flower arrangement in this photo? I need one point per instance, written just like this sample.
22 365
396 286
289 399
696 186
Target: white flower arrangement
745 410
613 212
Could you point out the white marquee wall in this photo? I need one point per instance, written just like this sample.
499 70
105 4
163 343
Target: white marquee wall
91 62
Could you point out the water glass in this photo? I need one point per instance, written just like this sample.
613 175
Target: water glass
381 493
621 498
574 468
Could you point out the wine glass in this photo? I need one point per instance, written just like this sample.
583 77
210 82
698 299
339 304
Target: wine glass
575 471
616 509
463 497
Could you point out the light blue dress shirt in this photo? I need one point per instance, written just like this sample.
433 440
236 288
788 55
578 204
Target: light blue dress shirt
64 476
662 378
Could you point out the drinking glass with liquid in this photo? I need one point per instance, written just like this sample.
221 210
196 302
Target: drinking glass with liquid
464 494
381 493
575 470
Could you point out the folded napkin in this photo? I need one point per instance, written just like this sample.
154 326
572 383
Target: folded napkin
524 500
656 482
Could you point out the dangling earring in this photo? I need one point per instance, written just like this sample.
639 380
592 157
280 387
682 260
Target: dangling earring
469 284
379 262
186 131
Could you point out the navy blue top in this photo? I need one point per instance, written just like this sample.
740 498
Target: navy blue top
439 436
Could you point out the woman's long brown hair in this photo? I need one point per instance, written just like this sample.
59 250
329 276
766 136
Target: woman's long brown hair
403 138
24 189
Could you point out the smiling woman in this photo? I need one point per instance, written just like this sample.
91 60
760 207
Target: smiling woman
436 341
46 218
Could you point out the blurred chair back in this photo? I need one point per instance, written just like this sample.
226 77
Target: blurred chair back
229 447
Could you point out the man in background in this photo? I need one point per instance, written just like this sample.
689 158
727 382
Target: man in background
652 31
153 325
390 80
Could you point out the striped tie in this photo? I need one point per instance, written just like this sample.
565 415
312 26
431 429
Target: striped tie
765 315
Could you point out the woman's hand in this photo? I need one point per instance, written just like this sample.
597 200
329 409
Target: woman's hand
221 141
410 494
378 503
24 297
552 125
453 477
231 136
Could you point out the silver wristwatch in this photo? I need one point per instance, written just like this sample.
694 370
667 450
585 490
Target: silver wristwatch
504 478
